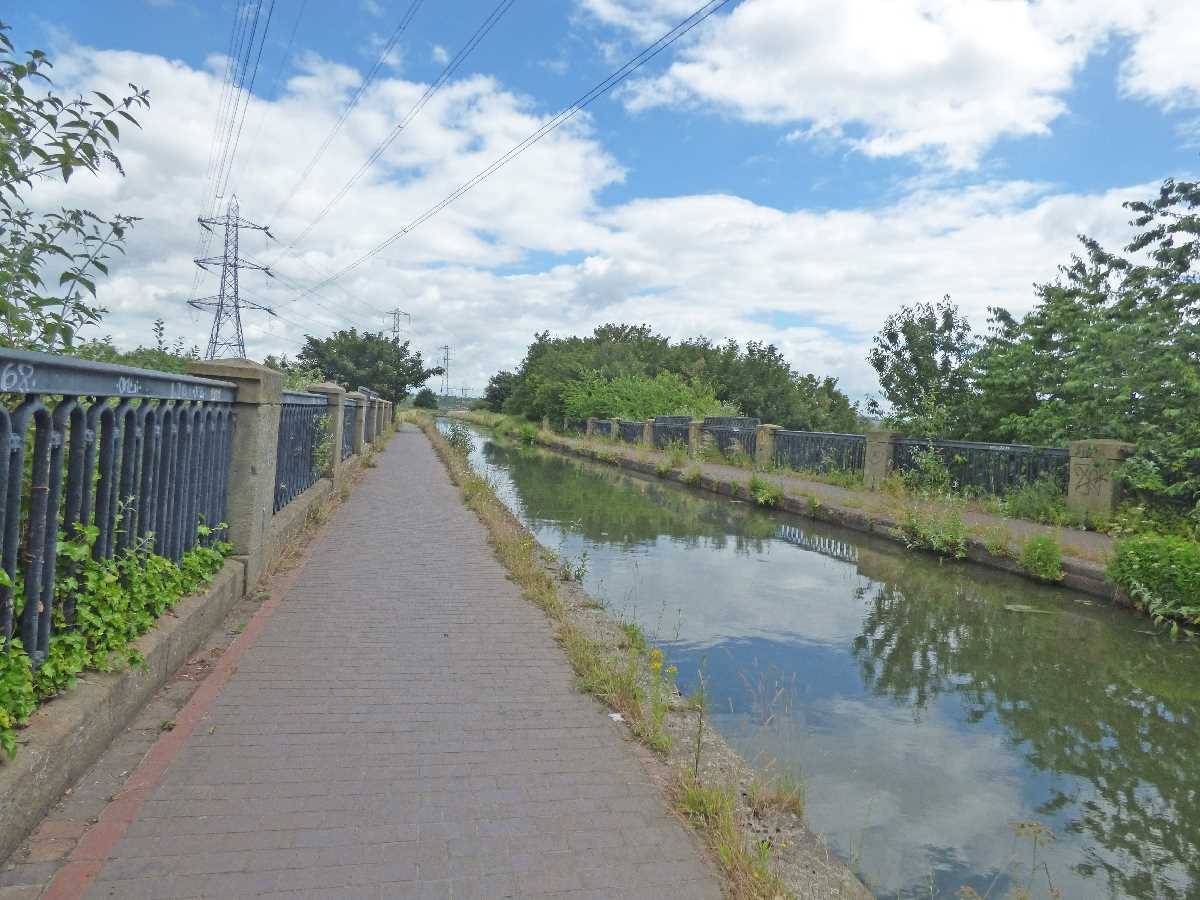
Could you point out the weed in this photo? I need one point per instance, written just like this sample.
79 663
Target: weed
691 475
635 638
677 453
1039 501
459 438
1041 556
784 793
527 433
712 810
939 529
574 571
1161 573
766 493
663 468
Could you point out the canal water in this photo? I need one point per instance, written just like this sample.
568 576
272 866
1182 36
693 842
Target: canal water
944 717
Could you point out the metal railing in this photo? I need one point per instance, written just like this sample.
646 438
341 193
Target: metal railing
820 451
670 430
631 432
303 429
602 427
992 468
732 440
741 422
349 426
574 426
141 456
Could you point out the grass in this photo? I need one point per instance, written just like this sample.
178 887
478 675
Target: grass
691 475
782 793
712 810
935 527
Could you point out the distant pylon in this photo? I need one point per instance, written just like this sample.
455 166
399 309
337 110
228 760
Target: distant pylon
394 317
226 337
445 348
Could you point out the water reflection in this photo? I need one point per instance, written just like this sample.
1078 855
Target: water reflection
925 713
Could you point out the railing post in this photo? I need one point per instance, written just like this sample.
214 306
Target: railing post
614 429
335 422
1093 488
695 436
764 444
360 416
880 458
252 461
591 427
648 434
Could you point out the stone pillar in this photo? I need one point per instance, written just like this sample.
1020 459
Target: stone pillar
251 489
545 423
1093 489
378 420
764 445
360 420
334 424
614 429
648 434
591 427
695 437
880 458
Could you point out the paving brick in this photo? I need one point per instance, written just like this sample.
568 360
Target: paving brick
405 727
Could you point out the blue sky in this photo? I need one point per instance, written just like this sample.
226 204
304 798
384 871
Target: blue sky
793 170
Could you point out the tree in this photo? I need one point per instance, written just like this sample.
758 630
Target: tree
49 261
425 399
371 360
499 388
164 356
922 357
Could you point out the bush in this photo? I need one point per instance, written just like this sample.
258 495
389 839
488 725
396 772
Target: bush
1038 501
939 529
638 397
1161 573
1041 556
425 399
766 493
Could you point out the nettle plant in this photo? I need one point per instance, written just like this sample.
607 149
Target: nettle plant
49 261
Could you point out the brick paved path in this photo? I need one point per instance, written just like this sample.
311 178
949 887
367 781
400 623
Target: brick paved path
405 727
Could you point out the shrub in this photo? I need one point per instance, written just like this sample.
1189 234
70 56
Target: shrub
527 433
1038 501
1161 573
929 474
766 493
1041 556
425 399
938 529
459 439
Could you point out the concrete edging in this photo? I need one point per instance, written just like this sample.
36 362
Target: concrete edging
66 735
1081 575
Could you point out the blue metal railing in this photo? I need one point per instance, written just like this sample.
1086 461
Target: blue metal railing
820 451
142 456
303 428
349 426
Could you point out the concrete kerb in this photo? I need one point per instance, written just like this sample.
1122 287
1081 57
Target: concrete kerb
68 734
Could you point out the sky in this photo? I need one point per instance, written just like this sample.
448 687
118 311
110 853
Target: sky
790 171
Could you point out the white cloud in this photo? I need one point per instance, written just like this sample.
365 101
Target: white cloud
533 248
440 55
372 8
941 80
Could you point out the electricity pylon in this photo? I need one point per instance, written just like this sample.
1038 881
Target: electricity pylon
445 348
226 337
394 317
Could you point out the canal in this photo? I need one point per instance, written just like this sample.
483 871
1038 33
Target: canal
944 717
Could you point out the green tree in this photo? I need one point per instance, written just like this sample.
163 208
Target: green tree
425 399
49 262
371 360
922 357
162 356
499 389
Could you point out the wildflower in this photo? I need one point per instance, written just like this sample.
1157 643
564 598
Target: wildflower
671 670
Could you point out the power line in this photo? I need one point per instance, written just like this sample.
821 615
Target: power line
345 114
564 116
249 97
447 73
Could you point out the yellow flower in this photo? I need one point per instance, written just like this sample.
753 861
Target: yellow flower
671 670
656 664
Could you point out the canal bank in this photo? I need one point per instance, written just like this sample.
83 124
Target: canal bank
988 540
945 717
